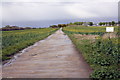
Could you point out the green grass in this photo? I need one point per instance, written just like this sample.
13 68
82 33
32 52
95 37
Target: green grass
102 54
88 29
14 41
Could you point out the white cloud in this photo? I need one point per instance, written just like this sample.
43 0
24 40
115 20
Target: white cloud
32 11
95 9
60 0
58 9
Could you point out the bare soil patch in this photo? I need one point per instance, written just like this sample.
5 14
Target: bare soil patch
82 37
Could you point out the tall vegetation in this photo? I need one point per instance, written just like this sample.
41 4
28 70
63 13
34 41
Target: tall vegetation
102 54
14 41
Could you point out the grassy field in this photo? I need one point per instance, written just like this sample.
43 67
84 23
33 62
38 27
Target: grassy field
14 41
100 52
88 29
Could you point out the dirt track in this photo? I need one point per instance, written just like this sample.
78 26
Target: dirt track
54 57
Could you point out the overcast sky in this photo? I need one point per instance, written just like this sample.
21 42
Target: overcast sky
36 10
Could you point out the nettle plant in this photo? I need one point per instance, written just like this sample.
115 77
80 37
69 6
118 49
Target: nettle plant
105 74
106 55
106 48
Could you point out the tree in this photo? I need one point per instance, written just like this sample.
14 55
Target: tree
103 23
54 26
119 23
90 23
100 23
110 23
78 23
113 23
106 23
28 28
7 26
62 25
81 23
71 23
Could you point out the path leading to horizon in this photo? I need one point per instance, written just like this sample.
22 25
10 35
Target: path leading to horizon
54 57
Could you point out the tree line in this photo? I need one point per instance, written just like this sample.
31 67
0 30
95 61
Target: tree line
112 23
82 23
59 25
10 28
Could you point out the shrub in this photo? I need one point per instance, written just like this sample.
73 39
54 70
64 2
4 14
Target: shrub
105 73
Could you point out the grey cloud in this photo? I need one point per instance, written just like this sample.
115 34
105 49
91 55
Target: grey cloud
32 11
60 0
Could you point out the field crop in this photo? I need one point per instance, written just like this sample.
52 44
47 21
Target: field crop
14 41
88 29
101 54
